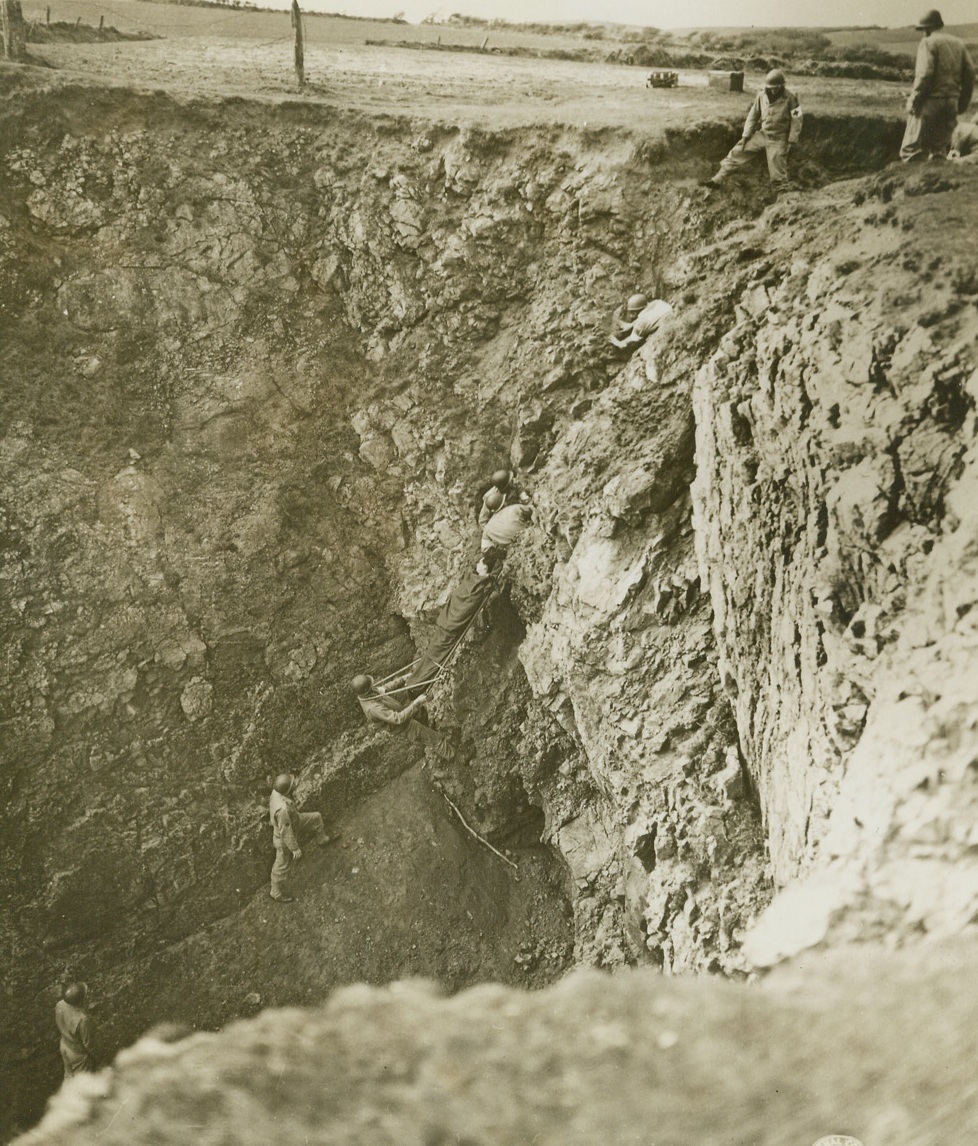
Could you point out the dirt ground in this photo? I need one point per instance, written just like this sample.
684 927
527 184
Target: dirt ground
403 891
208 53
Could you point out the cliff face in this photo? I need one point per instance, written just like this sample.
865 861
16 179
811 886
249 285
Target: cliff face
835 439
259 366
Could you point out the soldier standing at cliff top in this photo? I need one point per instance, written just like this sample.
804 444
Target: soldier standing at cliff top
772 125
288 823
76 1029
943 83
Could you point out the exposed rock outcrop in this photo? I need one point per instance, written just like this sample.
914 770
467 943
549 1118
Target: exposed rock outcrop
835 441
882 1053
259 367
623 651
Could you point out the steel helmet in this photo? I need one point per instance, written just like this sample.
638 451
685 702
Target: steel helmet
284 783
494 500
637 302
75 994
501 479
361 684
930 21
774 79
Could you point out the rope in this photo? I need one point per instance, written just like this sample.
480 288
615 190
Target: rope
399 672
451 652
472 831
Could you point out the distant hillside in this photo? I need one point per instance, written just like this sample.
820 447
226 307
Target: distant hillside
854 53
895 39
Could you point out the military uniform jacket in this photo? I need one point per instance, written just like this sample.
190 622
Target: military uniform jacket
77 1035
280 812
944 70
775 117
386 710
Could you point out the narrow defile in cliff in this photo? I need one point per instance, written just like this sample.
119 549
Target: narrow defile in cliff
258 369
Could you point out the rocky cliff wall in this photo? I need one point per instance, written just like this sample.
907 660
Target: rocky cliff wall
259 367
835 438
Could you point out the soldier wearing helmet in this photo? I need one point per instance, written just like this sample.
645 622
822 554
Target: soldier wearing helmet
944 80
493 500
772 125
381 706
288 824
76 1030
503 491
644 323
625 315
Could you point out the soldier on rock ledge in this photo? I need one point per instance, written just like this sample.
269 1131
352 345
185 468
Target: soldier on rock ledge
288 824
76 1029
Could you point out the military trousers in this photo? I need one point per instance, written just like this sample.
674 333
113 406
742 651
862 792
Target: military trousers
75 1061
929 133
307 823
426 737
741 155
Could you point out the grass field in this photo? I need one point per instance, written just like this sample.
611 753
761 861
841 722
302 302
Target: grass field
175 20
229 23
213 52
895 39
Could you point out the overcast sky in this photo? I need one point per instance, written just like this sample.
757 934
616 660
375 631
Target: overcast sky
667 13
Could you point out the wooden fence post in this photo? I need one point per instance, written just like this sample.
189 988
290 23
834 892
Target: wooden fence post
14 31
300 64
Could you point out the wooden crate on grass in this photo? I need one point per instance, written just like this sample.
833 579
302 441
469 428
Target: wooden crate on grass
726 81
